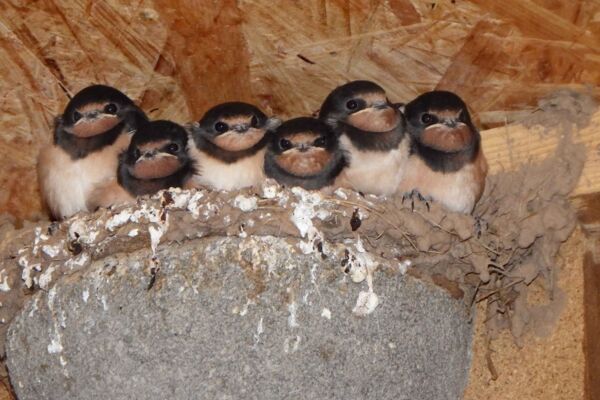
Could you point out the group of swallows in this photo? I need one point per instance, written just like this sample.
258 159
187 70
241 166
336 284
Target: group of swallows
106 151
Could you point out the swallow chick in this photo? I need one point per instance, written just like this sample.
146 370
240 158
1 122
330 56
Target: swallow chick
94 128
157 158
372 133
230 142
304 152
446 163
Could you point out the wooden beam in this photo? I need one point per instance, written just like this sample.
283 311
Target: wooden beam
589 217
591 292
511 146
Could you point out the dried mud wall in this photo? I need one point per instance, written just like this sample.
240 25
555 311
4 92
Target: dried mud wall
178 57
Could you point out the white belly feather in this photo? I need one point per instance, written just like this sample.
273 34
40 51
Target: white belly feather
374 172
456 191
219 175
66 184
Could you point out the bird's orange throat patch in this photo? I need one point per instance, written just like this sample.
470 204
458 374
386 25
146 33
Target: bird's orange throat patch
232 141
157 167
375 120
306 163
446 139
87 129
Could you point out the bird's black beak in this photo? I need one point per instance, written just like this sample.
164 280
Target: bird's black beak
92 114
303 148
241 128
450 123
380 105
148 155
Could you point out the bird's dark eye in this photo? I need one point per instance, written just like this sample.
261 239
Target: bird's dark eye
173 148
320 142
254 122
285 144
351 105
76 116
428 119
110 108
221 127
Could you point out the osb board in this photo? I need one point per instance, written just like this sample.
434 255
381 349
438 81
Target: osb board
179 57
5 394
551 367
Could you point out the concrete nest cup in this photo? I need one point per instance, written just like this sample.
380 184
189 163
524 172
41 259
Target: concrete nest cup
280 294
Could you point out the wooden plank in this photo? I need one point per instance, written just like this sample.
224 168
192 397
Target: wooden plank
591 291
509 147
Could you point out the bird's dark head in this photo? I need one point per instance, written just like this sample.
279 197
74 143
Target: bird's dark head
363 105
440 120
96 110
233 126
158 149
303 146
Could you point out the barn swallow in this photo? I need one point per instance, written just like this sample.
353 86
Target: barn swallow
446 163
230 142
304 152
372 133
157 158
94 128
